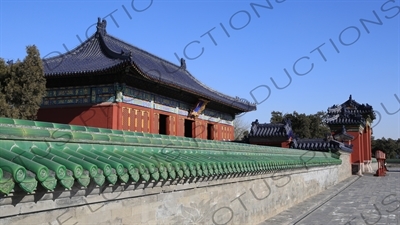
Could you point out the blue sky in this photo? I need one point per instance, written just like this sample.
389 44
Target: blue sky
241 48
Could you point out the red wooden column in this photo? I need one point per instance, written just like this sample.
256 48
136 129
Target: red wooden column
180 124
119 116
370 142
367 144
369 148
125 117
216 131
114 118
154 122
169 125
145 117
232 130
201 129
362 149
152 119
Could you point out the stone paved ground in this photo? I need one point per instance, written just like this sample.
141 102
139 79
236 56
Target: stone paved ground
355 201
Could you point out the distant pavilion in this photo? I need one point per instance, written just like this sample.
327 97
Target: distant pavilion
357 118
351 131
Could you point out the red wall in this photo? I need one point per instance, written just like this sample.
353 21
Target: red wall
283 144
96 116
124 116
141 119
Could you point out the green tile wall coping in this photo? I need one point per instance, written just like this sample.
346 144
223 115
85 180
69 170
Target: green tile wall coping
105 167
109 155
6 185
119 168
88 166
50 183
59 169
41 171
17 172
29 184
76 169
143 138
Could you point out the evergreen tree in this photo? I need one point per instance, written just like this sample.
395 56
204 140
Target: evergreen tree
6 84
3 75
389 146
23 86
276 117
319 128
304 126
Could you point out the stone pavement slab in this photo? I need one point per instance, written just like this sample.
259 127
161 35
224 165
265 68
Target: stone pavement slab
357 200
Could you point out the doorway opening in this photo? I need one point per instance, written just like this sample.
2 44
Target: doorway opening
163 124
189 124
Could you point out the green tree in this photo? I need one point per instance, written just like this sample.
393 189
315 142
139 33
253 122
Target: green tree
3 76
23 86
7 108
398 148
304 126
318 127
276 117
390 146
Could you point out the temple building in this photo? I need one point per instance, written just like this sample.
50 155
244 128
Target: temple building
108 83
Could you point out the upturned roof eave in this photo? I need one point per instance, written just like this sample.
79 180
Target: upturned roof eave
244 108
124 59
110 69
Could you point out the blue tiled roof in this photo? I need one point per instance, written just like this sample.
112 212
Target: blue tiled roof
342 135
283 129
350 113
320 144
102 53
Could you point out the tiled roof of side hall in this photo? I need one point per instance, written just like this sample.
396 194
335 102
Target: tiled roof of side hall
283 129
342 135
320 144
350 113
102 53
50 155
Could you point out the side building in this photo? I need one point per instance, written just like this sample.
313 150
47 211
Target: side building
282 135
108 83
271 134
351 132
357 119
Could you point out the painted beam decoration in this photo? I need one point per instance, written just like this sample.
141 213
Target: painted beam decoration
119 92
200 106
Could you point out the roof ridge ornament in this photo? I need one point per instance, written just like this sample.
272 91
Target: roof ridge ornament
183 64
101 26
101 36
254 127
